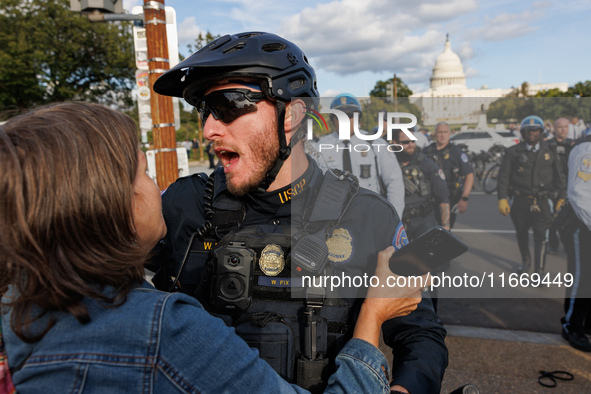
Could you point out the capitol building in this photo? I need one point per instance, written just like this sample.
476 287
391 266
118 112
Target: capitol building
449 99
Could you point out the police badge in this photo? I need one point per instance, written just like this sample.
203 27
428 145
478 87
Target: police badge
339 245
272 261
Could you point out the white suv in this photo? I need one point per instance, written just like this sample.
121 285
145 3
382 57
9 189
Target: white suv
483 140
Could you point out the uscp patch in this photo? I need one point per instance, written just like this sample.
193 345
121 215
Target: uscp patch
400 239
340 247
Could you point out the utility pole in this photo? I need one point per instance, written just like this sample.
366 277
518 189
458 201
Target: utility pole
158 63
395 94
161 106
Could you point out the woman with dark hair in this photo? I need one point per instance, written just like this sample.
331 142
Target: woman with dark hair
78 216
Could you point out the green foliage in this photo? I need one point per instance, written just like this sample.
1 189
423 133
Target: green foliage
189 125
380 89
49 53
581 89
548 108
370 111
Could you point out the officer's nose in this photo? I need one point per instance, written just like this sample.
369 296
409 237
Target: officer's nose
213 128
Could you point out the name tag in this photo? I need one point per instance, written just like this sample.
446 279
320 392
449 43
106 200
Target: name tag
279 282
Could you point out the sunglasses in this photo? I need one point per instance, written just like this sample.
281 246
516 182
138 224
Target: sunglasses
228 105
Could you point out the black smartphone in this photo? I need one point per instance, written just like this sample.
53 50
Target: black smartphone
427 252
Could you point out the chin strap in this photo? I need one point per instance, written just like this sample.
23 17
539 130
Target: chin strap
284 149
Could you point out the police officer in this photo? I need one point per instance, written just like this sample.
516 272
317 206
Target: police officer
371 162
229 240
424 184
456 167
563 146
531 176
575 232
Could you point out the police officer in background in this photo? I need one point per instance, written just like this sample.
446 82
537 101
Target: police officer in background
531 176
424 184
456 167
575 232
563 146
229 240
370 161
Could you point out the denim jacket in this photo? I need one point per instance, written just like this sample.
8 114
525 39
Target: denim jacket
163 343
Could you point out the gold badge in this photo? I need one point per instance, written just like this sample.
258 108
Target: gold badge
415 172
343 100
339 246
272 261
446 156
546 156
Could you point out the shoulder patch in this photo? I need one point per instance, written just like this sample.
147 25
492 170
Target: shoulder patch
464 157
400 238
586 164
585 169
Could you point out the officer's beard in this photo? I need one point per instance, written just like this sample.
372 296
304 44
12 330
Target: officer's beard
261 158
403 156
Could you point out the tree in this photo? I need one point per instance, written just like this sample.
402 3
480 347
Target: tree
510 107
548 108
380 89
581 89
49 53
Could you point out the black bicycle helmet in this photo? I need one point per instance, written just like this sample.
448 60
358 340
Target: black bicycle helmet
280 67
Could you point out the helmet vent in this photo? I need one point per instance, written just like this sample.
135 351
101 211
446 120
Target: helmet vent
274 47
235 48
306 60
248 35
215 44
296 84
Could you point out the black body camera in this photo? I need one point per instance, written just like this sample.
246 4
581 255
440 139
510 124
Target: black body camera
233 277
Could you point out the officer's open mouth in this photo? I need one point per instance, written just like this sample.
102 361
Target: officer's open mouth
227 157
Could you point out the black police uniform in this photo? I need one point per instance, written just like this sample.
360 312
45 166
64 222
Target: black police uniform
455 165
424 185
532 180
563 149
273 322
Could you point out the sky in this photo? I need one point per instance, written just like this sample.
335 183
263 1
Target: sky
354 43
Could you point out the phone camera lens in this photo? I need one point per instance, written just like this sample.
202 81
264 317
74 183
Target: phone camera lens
234 260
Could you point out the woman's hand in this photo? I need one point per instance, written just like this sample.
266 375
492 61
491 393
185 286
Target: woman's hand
385 302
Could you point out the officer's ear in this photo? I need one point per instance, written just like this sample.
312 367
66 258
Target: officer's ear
294 115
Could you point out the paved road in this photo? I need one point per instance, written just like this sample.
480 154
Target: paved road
493 249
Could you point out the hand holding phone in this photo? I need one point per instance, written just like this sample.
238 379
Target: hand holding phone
427 252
